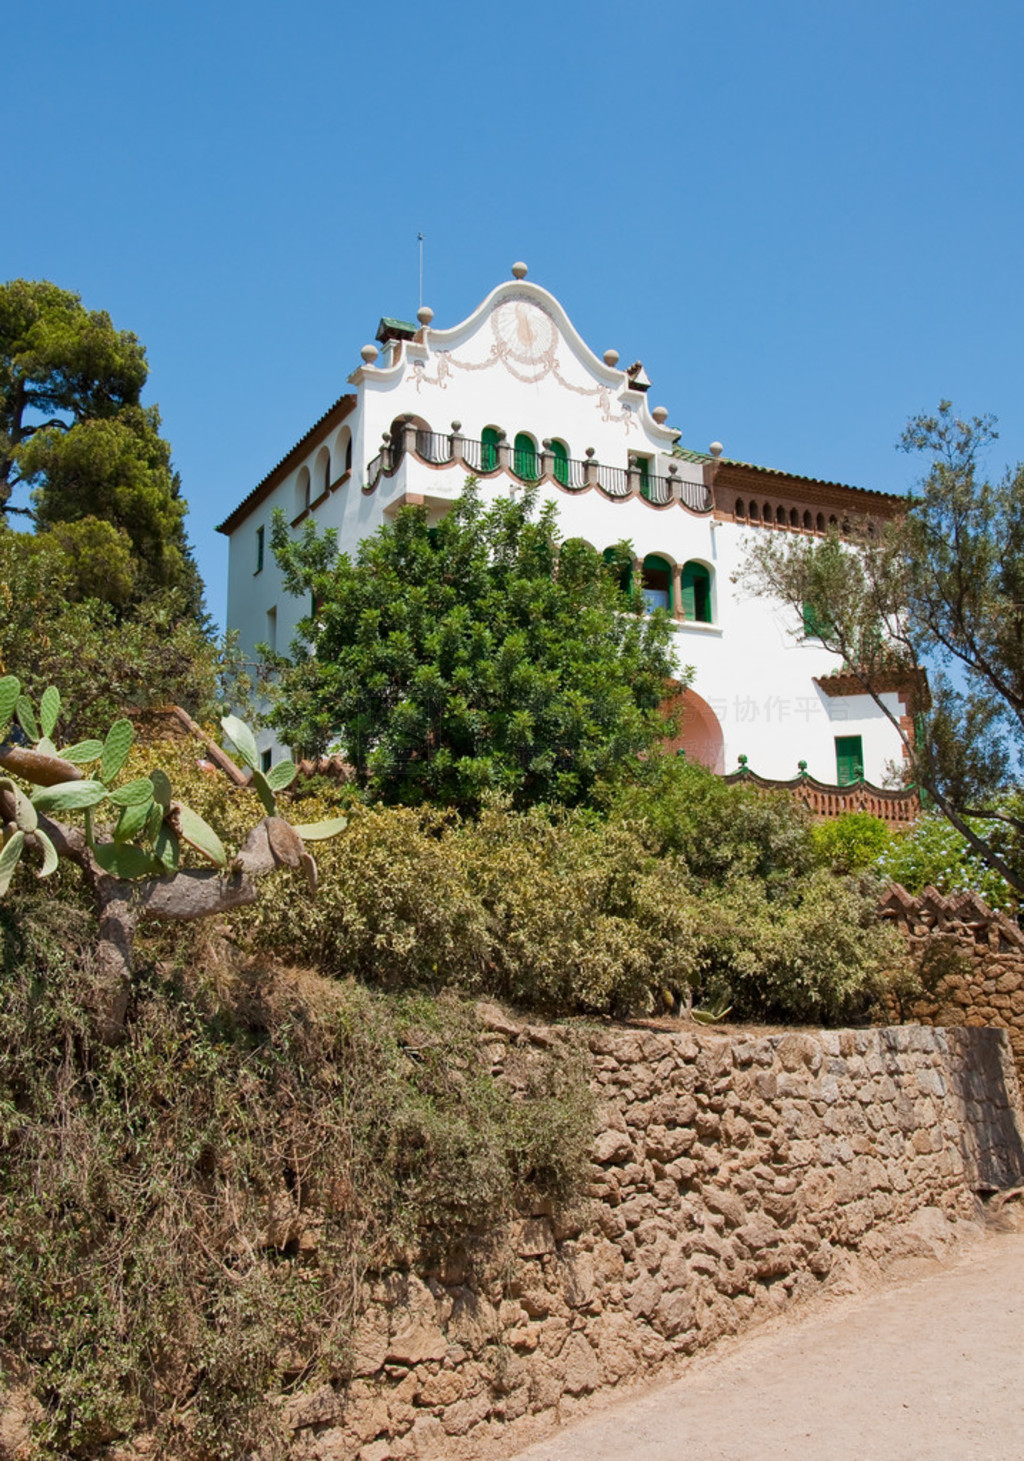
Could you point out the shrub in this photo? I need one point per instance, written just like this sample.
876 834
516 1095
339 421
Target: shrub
933 852
852 843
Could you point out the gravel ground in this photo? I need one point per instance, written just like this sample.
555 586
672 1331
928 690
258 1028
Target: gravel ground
926 1368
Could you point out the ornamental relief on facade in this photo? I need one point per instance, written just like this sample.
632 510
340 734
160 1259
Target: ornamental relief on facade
526 343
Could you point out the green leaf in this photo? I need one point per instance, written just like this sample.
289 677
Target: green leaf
239 733
167 848
25 816
263 791
69 796
9 859
116 748
133 793
320 831
10 689
49 710
124 861
45 746
133 819
201 836
282 775
27 717
161 788
82 752
154 821
50 859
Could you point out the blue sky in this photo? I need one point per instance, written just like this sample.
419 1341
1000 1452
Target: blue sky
804 217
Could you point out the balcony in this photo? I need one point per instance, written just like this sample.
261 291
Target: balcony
569 474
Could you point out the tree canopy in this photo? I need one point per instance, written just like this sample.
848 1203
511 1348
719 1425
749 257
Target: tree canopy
74 433
480 654
942 586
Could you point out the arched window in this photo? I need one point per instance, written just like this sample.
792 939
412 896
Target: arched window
741 510
524 457
696 592
794 518
657 583
489 438
821 522
808 522
302 491
560 452
620 561
755 512
768 514
322 472
343 450
780 516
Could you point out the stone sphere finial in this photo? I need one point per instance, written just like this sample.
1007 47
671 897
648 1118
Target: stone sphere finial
611 357
660 414
716 448
589 453
369 354
456 425
424 314
519 270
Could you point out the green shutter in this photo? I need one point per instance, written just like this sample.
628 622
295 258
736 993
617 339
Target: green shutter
560 452
644 468
849 759
696 593
625 568
525 458
815 624
260 534
489 439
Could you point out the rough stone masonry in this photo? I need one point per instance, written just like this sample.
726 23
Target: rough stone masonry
733 1175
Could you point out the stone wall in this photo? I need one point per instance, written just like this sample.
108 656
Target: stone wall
971 961
734 1175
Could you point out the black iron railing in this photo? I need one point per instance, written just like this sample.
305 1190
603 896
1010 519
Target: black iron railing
571 473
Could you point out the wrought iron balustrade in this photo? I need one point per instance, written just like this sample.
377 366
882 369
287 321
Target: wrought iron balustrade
433 447
657 489
696 496
614 480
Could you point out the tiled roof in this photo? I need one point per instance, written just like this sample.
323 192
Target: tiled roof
689 455
331 417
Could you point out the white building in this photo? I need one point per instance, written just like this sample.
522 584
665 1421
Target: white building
512 394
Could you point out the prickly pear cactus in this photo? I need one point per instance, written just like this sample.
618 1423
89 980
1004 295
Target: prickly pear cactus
148 825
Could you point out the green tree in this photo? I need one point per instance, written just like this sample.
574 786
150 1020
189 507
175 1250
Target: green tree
480 654
73 430
942 585
108 661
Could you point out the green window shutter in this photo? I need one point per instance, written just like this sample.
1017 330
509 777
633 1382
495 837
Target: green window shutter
849 759
489 439
644 468
815 623
260 543
696 590
560 452
525 458
625 569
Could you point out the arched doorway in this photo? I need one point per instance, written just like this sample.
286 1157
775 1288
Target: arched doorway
700 734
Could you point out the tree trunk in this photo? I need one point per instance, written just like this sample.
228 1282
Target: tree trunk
114 940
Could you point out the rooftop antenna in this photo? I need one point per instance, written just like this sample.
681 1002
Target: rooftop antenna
420 237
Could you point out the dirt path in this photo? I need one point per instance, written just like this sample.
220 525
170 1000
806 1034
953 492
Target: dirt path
927 1369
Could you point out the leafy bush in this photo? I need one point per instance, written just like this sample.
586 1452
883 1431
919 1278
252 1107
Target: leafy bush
934 852
853 842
